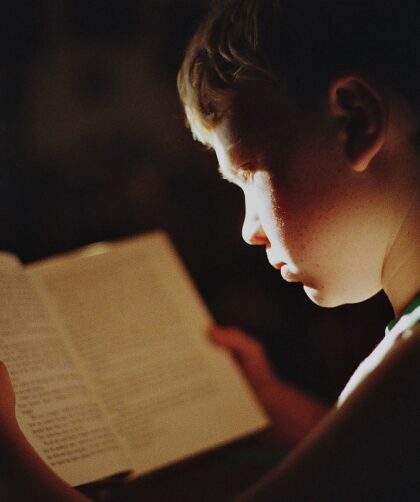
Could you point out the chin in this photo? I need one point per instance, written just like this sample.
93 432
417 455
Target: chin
326 299
323 299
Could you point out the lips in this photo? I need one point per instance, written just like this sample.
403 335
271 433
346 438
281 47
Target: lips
285 272
278 266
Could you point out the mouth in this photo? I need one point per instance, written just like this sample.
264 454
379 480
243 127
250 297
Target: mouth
278 266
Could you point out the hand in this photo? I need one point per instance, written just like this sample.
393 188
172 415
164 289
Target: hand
248 352
292 412
24 476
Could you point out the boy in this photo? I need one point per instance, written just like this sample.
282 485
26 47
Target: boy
311 108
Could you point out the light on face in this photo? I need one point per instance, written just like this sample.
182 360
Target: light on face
252 229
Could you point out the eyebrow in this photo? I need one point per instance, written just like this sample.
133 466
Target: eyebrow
237 162
232 157
242 155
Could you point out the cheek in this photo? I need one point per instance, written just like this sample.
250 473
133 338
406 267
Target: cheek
269 210
309 172
309 223
309 189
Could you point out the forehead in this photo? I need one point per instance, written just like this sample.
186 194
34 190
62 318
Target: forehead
224 145
257 109
258 123
236 156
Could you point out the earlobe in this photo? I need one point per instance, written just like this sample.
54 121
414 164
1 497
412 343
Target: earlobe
361 118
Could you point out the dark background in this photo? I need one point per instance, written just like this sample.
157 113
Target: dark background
94 147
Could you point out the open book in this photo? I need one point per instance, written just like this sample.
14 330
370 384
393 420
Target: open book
108 356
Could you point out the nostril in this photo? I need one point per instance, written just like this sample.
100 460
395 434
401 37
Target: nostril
254 235
260 240
252 230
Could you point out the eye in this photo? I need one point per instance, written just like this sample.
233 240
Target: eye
245 172
243 175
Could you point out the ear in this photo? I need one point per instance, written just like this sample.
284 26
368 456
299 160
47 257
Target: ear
361 118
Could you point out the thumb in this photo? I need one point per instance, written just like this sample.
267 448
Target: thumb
7 395
248 351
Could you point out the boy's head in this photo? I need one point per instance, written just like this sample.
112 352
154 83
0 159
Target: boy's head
299 46
305 105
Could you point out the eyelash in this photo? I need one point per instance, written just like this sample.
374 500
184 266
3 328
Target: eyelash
244 175
245 172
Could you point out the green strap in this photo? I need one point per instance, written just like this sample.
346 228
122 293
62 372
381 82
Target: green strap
411 313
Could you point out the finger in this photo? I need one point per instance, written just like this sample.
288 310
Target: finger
7 395
243 346
236 340
4 375
248 351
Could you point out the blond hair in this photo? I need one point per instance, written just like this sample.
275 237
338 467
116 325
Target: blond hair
298 45
223 53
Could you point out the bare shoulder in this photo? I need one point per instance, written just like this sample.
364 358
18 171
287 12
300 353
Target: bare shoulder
396 353
366 449
401 366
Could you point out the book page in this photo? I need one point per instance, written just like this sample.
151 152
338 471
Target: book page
139 326
55 408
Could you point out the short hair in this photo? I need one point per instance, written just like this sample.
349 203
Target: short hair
299 45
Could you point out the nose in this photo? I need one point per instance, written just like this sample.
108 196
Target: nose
252 230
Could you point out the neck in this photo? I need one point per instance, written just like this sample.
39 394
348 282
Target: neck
400 277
